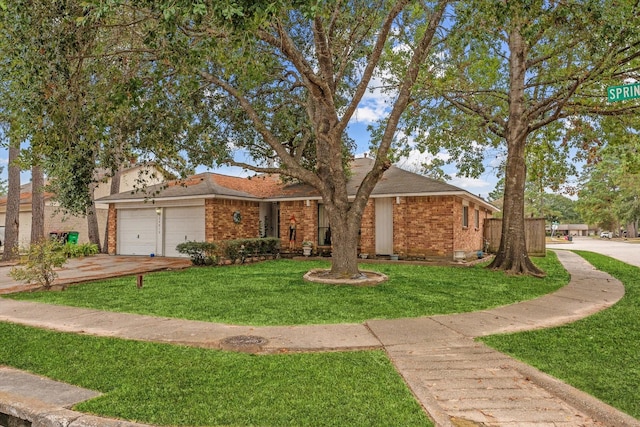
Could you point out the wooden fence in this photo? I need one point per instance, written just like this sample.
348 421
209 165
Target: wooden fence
534 235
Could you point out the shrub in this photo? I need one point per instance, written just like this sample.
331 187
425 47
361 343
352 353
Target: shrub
239 249
233 249
42 258
72 250
201 253
208 253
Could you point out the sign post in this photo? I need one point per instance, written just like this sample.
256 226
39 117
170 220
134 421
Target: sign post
623 92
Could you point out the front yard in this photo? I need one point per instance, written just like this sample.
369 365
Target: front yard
273 293
175 385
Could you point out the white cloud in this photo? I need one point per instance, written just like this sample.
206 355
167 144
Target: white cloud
416 159
374 104
367 114
477 186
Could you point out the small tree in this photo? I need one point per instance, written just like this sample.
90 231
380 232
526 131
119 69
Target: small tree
43 257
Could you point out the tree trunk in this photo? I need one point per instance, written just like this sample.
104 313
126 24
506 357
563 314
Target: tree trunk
115 189
12 217
344 237
93 229
512 254
37 204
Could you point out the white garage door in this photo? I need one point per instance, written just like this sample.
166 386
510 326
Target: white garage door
182 224
137 231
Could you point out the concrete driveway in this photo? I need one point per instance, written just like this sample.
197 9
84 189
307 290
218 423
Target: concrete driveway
85 269
624 250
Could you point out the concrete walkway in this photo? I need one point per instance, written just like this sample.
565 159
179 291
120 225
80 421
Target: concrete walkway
457 380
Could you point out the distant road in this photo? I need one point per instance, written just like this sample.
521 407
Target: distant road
615 248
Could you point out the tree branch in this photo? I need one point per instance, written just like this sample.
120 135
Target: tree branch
372 63
293 168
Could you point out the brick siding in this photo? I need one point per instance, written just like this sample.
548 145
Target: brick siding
306 222
219 224
112 231
422 226
368 229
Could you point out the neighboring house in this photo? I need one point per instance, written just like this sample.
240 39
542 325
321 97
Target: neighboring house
573 230
407 214
56 221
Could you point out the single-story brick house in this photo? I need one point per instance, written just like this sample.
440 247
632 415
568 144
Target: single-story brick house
407 214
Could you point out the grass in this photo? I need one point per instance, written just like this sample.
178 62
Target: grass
600 354
273 293
182 386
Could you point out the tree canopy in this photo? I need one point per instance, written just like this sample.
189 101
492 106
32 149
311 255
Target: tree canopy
266 86
608 190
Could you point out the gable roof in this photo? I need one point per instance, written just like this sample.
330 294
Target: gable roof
394 182
26 195
205 185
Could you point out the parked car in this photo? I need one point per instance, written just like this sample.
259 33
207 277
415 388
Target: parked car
606 235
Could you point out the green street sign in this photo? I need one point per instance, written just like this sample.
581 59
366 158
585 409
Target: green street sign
620 93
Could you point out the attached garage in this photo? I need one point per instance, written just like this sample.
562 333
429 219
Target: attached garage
182 224
137 231
158 230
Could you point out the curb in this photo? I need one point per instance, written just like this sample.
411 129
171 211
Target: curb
21 412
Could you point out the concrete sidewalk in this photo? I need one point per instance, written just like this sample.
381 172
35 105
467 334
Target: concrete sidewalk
458 381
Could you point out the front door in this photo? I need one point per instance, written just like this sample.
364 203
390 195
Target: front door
384 226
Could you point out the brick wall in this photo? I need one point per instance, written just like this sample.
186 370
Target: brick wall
368 229
112 231
432 226
306 221
422 226
469 239
219 224
402 225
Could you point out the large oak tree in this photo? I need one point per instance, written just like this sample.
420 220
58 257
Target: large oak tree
273 88
512 72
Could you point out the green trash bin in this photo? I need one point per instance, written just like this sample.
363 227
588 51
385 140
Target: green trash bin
72 237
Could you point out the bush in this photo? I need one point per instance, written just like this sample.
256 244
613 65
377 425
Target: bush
208 253
201 253
42 258
72 250
239 249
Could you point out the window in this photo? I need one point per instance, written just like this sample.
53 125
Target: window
477 219
324 229
465 216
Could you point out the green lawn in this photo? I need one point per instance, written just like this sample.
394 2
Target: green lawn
273 293
600 354
174 385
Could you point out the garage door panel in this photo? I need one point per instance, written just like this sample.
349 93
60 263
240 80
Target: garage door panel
182 224
137 231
